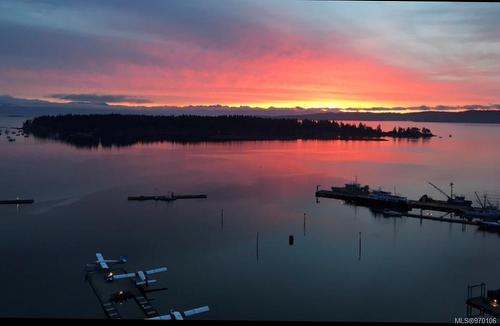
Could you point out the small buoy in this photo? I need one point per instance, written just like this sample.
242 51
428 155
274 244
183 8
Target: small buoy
290 240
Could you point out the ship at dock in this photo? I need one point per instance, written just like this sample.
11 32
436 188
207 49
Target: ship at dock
389 204
453 203
357 194
486 212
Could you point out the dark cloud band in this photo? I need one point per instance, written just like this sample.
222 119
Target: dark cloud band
96 99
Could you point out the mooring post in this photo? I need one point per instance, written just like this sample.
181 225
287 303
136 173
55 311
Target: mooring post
222 219
359 257
304 224
257 246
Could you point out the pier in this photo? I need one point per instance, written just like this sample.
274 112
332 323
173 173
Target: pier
441 219
119 292
440 206
112 294
165 198
361 197
16 201
482 302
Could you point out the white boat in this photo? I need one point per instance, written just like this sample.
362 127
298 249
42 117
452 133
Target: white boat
492 225
387 196
487 211
389 212
487 214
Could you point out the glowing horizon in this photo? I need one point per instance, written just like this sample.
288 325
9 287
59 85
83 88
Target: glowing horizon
252 53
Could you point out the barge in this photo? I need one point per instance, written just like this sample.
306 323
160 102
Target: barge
362 195
172 197
16 201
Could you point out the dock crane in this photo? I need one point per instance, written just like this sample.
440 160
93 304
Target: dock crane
479 200
441 191
452 198
484 204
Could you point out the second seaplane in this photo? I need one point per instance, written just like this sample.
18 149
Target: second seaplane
141 277
104 264
180 315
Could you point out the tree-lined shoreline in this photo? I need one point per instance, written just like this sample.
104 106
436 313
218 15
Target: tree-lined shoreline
122 130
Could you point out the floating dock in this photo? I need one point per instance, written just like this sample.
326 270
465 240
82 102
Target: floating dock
112 294
481 302
165 198
441 219
16 201
155 198
189 196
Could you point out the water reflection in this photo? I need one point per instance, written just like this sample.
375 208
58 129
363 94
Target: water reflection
210 246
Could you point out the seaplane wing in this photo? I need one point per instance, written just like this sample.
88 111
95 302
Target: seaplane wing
196 311
164 317
176 315
122 260
156 270
101 261
121 276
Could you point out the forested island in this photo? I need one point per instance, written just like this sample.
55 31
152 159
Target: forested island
122 129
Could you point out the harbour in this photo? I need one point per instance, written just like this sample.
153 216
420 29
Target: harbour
328 272
114 286
388 204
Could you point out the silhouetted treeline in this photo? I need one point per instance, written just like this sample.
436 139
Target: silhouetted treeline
122 130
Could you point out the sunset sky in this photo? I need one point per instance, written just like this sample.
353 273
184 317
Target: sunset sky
257 53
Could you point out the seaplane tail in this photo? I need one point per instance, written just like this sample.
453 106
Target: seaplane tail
176 315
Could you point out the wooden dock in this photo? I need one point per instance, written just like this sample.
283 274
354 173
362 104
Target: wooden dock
412 204
481 302
484 306
165 198
111 294
16 201
189 196
441 219
155 198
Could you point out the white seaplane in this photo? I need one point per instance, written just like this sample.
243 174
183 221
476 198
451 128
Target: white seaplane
104 264
177 315
141 277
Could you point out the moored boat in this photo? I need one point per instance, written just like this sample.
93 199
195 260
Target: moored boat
490 225
362 195
391 213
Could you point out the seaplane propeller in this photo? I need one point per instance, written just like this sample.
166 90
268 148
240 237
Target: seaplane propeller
177 315
141 277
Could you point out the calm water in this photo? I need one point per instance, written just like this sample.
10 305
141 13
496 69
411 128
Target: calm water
408 270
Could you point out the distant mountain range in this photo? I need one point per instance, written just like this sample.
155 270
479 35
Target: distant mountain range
471 116
12 106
